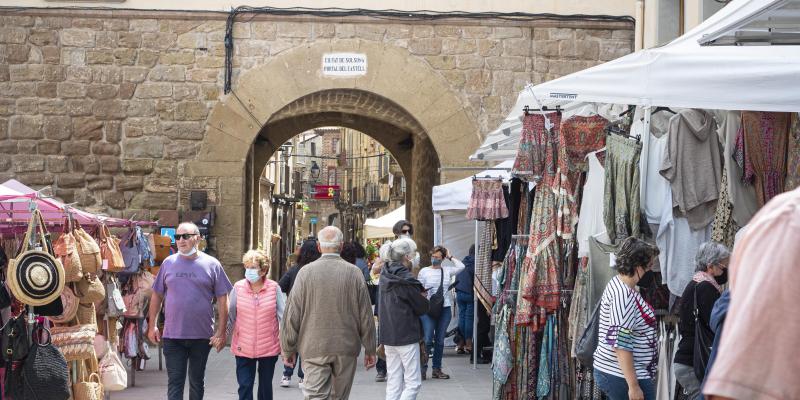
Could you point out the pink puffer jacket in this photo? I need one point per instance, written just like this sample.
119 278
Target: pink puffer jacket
255 332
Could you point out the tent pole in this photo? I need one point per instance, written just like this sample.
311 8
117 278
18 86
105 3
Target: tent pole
475 349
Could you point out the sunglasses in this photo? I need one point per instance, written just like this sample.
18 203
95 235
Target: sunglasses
184 236
406 231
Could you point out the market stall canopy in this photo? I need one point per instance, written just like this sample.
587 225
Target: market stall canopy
685 74
776 24
382 227
455 195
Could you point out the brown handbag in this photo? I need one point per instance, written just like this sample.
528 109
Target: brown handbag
162 246
90 289
66 250
88 250
110 251
89 387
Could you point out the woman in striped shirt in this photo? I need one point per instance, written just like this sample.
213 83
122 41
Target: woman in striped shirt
627 354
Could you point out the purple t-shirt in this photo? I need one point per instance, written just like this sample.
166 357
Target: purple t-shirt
188 287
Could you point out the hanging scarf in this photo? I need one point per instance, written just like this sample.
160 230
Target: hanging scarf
703 276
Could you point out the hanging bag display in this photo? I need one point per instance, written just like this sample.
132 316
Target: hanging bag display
88 250
16 333
112 371
162 247
65 248
70 304
44 373
437 300
115 305
131 254
110 251
35 277
89 386
90 289
703 340
76 342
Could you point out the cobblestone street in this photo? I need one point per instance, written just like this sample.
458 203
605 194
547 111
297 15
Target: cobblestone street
465 383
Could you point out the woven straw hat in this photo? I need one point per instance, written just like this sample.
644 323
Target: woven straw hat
35 278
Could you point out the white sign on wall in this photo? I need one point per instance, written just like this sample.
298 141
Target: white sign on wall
344 64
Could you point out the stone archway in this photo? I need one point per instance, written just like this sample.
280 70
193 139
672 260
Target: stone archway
399 93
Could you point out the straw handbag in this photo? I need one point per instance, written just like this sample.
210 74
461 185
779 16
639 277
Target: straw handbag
66 250
110 251
88 250
88 387
75 342
86 314
70 304
90 289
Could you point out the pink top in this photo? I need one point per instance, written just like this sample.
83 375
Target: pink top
255 330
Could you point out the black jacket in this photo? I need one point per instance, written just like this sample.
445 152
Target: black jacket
401 304
287 280
465 279
707 295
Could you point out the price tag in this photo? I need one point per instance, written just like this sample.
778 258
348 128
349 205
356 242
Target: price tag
105 265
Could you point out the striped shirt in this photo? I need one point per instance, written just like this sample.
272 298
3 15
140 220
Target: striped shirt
627 322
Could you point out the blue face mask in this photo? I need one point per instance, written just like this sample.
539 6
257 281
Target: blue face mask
436 261
252 275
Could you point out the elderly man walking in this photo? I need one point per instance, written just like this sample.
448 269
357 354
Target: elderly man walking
188 283
328 319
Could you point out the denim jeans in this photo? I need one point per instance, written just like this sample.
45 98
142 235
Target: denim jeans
246 376
289 371
434 335
181 354
466 313
616 388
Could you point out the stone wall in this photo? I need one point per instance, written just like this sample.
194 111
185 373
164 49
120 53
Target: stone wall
109 107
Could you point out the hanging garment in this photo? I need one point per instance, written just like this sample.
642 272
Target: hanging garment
742 196
678 244
665 379
653 185
765 136
724 228
487 202
578 313
578 136
541 285
600 271
537 148
504 227
544 377
621 202
793 155
693 166
483 264
502 359
591 212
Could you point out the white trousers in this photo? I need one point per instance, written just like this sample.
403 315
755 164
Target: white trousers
403 375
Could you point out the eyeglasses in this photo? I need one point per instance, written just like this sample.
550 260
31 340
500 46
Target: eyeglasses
406 231
184 236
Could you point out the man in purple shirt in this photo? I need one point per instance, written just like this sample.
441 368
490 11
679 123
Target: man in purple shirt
188 282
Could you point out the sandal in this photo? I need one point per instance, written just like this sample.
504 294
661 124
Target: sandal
438 374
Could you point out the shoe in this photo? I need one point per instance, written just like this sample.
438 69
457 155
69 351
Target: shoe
438 374
286 381
300 384
461 351
424 374
381 377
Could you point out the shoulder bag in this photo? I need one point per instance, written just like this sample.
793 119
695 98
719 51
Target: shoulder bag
703 340
66 250
109 249
130 252
436 301
88 250
587 344
112 371
44 372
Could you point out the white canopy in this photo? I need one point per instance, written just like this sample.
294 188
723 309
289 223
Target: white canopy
382 227
455 195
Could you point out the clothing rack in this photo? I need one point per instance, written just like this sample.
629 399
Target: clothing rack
527 110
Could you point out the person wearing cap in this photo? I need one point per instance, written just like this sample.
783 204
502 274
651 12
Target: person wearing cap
188 283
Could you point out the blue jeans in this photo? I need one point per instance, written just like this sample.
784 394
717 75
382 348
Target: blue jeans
466 313
616 388
246 376
289 371
434 336
181 354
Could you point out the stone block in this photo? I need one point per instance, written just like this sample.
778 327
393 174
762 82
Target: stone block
398 32
622 34
126 90
72 180
106 75
168 73
99 182
125 56
102 92
8 147
52 106
89 23
370 32
4 74
184 130
579 49
5 164
75 148
104 148
78 74
110 109
203 75
546 48
141 108
27 106
129 182
442 62
14 35
447 31
469 62
490 48
18 89
517 47
84 198
263 30
129 40
250 48
612 49
241 30
541 65
3 128
8 107
187 91
455 78
476 32
112 130
182 57
77 38
116 24
114 199
77 108
138 166
35 178
134 74
214 168
57 127
144 25
159 41
501 32
181 149
425 46
109 164
478 82
189 111
51 55
459 46
147 58
144 147
345 31
17 53
47 90
70 90
155 201
210 91
161 185
506 63
581 34
26 127
294 29
26 147
153 90
106 40
28 163
27 72
562 33
136 127
85 163
57 164
73 56
423 31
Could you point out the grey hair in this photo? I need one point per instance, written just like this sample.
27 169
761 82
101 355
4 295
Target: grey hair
384 250
401 248
330 238
191 226
710 253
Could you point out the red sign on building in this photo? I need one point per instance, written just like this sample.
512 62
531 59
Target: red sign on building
325 192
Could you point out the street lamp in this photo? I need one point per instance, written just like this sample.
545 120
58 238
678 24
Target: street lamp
314 171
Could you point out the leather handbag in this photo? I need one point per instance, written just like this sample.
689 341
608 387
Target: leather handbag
437 300
115 304
130 252
587 344
90 289
703 340
66 250
110 251
16 332
88 250
162 247
44 373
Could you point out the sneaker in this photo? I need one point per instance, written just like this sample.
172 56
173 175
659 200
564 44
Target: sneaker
286 381
300 383
438 374
381 377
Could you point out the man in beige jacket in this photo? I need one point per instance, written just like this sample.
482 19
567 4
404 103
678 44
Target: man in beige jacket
328 319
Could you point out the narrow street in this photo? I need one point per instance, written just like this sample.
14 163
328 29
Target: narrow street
464 384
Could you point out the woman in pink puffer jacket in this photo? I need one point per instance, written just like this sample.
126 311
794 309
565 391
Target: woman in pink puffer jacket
254 315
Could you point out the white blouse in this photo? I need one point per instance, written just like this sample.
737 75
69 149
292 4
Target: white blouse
430 278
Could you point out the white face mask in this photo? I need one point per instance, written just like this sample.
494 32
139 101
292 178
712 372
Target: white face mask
415 261
253 275
189 253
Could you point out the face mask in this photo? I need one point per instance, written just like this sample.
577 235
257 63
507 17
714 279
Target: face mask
252 275
722 279
404 236
415 261
648 279
189 253
436 261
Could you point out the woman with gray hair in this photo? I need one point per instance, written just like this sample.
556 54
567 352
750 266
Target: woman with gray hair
402 302
695 313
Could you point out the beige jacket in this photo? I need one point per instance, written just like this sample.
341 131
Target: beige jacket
328 312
